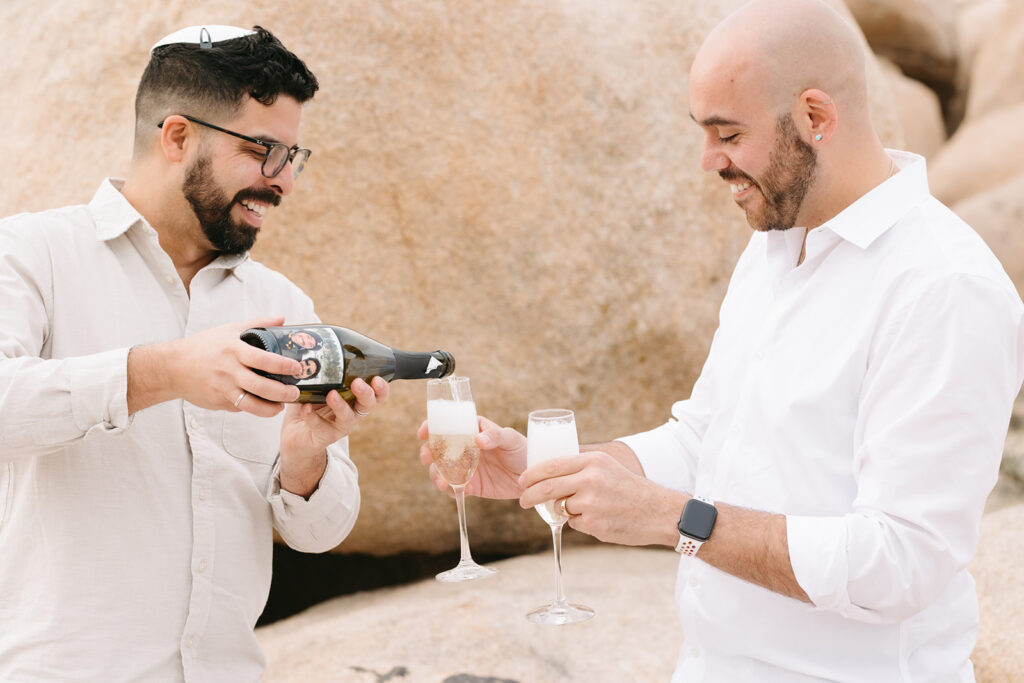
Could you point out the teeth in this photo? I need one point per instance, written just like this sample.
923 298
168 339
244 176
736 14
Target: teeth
738 187
258 209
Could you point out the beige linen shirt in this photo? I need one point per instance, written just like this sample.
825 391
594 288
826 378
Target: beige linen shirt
865 394
135 547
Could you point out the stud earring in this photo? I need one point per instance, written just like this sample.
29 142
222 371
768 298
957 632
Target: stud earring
817 138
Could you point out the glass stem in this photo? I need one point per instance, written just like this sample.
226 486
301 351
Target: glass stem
460 503
556 539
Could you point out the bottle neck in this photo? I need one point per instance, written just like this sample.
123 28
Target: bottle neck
413 365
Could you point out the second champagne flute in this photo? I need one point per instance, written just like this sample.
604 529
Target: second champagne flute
552 434
452 423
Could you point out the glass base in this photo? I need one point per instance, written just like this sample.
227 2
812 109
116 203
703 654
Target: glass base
466 571
556 615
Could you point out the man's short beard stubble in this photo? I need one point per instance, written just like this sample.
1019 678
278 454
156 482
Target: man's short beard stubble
785 183
213 209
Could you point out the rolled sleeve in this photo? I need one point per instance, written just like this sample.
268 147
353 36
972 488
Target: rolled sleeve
817 551
99 391
935 407
659 454
53 403
326 518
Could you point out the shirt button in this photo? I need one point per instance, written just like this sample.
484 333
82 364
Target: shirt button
170 279
693 582
202 494
190 641
695 651
201 567
193 423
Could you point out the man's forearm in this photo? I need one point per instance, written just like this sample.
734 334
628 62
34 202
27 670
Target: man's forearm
301 476
748 544
753 546
149 381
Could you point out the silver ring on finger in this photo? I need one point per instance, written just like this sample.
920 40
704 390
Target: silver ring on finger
359 412
239 399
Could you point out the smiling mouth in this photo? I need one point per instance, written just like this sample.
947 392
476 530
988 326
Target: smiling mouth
736 188
256 207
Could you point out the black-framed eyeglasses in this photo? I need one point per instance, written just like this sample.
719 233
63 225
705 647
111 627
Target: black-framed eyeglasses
278 154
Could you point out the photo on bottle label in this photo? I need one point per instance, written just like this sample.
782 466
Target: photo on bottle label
319 354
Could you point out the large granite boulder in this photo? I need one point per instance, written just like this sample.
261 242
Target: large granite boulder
918 35
984 153
975 22
997 214
515 182
477 632
999 655
997 71
919 111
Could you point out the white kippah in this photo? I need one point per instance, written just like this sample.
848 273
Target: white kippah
202 35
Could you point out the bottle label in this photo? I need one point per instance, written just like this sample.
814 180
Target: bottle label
318 351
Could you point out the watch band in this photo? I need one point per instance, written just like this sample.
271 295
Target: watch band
687 545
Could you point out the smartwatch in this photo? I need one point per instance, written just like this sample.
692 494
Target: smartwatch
695 525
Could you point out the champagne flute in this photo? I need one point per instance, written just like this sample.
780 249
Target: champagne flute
452 423
552 434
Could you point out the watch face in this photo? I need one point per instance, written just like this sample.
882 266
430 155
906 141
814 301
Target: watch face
698 519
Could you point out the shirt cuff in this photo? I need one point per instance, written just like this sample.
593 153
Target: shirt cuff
660 455
817 551
99 391
321 522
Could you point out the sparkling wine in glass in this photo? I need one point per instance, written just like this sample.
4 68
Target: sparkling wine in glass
552 434
452 423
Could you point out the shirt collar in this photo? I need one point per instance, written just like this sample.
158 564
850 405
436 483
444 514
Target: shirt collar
114 215
862 222
232 264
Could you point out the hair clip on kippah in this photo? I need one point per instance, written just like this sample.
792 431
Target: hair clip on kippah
203 36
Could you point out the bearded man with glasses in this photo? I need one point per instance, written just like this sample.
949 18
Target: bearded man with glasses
144 464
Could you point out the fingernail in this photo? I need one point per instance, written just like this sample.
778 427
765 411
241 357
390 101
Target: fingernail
485 441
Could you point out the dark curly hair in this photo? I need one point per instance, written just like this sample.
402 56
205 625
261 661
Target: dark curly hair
184 78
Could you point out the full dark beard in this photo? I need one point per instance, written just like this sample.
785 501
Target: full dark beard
213 210
785 183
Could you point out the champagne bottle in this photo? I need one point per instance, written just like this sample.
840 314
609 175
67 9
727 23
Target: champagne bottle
332 357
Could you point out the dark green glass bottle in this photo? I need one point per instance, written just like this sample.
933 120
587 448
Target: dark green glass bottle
332 357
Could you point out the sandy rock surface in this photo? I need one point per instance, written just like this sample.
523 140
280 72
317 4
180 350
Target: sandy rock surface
476 632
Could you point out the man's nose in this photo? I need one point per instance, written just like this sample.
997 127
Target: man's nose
284 181
712 158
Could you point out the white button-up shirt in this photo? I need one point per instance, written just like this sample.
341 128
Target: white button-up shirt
135 547
865 394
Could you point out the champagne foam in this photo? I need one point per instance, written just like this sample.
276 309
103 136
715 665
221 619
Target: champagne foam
549 440
445 416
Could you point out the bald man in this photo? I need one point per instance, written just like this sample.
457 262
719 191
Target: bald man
825 481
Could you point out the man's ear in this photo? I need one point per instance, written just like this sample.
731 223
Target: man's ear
816 116
177 134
